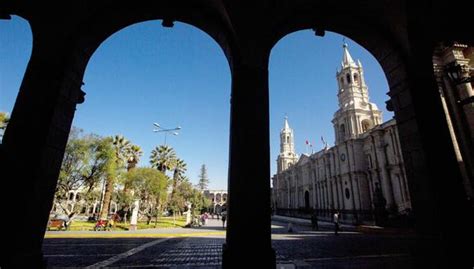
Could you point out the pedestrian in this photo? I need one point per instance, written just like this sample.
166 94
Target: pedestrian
224 218
290 227
314 221
336 223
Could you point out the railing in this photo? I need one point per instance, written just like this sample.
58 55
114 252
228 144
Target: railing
345 216
354 217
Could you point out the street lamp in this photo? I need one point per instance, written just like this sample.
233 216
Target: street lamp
460 74
456 73
166 130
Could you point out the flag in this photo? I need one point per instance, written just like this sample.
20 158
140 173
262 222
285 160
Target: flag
324 142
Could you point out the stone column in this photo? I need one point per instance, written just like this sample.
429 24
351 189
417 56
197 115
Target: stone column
341 193
435 183
386 181
33 146
249 225
313 182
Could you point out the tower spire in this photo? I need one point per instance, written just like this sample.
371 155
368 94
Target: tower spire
356 114
287 147
347 58
286 125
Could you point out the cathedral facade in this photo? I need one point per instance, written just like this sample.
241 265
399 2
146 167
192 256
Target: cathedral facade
362 176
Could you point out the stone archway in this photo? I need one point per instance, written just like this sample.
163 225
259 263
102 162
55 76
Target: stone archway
51 88
399 34
407 66
306 200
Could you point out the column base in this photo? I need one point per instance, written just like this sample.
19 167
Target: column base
132 227
248 256
24 260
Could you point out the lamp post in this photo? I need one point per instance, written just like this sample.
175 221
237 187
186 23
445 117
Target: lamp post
459 74
460 79
166 130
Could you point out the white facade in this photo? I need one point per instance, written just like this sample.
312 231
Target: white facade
218 198
362 172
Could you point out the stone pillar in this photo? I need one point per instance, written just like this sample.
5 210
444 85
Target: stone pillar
33 146
249 218
341 193
385 179
435 183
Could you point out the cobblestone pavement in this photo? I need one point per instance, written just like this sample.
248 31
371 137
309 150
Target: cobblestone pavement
301 249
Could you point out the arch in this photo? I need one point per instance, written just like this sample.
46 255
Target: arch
342 131
348 78
356 78
390 52
328 15
306 200
366 125
209 17
17 36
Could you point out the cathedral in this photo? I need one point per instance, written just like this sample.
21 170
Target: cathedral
362 176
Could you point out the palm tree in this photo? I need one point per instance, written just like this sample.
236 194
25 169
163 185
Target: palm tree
163 158
133 154
119 145
178 174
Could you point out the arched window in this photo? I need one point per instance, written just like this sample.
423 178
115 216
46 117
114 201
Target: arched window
356 78
342 81
287 139
348 78
366 125
342 131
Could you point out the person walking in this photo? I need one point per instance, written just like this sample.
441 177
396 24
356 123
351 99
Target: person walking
223 220
290 227
336 223
314 221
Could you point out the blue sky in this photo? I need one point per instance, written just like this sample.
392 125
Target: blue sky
146 73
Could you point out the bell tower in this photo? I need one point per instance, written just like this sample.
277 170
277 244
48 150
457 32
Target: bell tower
287 148
356 114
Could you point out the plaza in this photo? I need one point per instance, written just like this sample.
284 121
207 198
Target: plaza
202 247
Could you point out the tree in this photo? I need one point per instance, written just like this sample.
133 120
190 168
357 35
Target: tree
110 155
121 146
178 172
163 158
4 119
148 185
133 154
197 198
203 179
82 166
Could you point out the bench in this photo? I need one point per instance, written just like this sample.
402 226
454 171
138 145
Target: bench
56 223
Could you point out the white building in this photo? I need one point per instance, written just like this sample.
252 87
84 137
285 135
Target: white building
360 176
218 198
